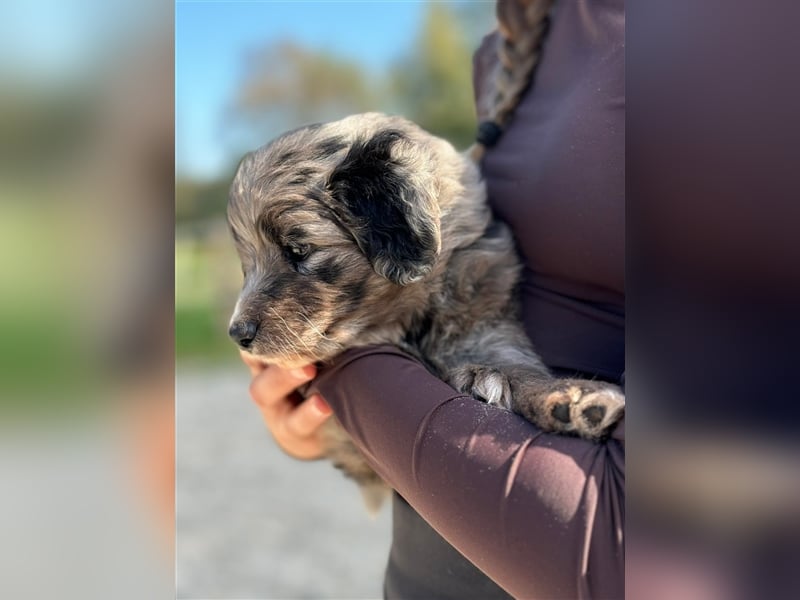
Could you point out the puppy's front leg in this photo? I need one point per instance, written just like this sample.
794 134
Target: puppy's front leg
483 383
573 406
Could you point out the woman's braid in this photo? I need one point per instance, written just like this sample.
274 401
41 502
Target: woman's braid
522 25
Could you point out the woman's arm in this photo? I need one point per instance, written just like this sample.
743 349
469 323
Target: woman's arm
540 514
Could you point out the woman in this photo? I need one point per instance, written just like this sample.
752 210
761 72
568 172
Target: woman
536 515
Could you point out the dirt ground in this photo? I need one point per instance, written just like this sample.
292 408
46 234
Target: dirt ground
253 523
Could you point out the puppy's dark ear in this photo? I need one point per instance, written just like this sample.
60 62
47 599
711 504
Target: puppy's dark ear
383 194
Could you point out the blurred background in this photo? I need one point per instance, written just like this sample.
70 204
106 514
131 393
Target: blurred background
251 522
86 341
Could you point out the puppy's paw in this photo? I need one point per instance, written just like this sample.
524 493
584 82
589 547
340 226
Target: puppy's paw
483 383
588 409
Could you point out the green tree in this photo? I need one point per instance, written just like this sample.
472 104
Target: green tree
433 84
286 85
197 200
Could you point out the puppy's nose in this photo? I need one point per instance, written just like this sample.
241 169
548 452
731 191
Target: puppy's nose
243 332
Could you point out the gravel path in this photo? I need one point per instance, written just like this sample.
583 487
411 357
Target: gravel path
253 523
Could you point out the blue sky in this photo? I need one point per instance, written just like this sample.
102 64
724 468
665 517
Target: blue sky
211 39
53 41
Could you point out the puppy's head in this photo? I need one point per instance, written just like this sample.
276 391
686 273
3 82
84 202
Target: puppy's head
332 224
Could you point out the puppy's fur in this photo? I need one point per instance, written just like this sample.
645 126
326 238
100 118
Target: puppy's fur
370 230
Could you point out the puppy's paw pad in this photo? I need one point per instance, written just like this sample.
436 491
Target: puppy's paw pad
484 384
560 412
588 409
598 411
594 414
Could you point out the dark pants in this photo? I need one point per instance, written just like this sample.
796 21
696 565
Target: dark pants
423 566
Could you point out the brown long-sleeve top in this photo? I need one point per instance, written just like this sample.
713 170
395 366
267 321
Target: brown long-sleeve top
541 515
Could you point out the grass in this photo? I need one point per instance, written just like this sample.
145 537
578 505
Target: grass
207 280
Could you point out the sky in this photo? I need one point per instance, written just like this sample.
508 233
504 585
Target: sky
55 41
212 37
52 41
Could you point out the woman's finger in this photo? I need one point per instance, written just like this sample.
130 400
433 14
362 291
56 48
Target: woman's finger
272 386
308 416
255 365
294 426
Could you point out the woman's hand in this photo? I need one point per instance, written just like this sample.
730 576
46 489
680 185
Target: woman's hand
295 427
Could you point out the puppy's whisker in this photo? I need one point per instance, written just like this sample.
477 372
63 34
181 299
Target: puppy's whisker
293 332
319 332
282 349
285 351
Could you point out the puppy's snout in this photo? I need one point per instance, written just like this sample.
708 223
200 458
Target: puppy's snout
243 332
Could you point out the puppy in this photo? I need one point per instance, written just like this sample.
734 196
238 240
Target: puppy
369 230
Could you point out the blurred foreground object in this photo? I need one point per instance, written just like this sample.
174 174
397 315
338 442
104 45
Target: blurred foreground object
713 288
86 321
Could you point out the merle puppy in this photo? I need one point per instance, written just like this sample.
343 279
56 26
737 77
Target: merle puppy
370 230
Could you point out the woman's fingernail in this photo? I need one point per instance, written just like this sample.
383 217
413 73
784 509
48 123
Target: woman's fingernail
300 373
321 405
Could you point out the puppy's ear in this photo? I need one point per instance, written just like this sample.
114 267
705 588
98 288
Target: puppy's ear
383 191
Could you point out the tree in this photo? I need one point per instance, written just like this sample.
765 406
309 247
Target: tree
286 85
433 84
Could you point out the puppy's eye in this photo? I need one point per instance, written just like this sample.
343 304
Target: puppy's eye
297 252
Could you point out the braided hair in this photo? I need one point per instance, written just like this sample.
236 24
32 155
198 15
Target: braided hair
522 26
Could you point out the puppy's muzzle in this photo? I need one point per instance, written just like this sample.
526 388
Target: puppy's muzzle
243 332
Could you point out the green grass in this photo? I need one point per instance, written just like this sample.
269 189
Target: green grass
207 281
